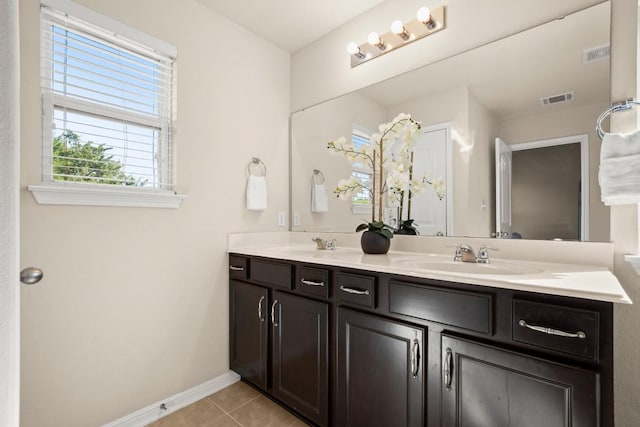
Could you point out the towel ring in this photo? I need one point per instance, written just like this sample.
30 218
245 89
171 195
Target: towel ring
259 164
618 106
317 174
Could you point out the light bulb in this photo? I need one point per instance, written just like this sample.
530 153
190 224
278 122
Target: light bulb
353 48
397 27
424 15
374 39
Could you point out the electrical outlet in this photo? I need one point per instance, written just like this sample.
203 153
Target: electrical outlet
282 219
296 219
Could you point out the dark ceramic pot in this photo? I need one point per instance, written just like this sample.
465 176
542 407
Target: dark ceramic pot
406 231
374 243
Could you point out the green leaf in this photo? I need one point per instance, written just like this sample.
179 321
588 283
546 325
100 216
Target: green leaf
386 233
362 227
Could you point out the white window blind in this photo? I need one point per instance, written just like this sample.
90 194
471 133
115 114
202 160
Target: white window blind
107 104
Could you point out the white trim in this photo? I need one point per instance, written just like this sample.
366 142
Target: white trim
178 401
583 140
634 260
102 195
78 11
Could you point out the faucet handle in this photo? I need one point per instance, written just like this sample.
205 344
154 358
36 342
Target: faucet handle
458 255
483 254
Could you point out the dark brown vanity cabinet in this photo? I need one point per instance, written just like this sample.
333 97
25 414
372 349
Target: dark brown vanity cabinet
380 370
280 341
356 348
487 386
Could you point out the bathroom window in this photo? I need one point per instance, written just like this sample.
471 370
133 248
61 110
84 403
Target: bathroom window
107 102
361 202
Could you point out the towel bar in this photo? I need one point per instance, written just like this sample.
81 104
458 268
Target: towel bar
617 106
319 175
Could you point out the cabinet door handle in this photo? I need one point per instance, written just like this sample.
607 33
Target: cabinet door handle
311 282
260 309
581 335
273 313
448 369
236 268
415 358
354 291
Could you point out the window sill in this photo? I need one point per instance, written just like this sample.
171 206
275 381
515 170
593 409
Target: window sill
91 195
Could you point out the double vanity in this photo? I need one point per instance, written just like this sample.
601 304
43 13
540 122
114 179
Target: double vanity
414 338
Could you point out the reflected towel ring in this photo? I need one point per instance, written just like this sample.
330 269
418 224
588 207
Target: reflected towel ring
259 164
618 106
317 174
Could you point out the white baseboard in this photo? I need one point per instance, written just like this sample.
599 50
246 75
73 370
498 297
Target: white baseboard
178 401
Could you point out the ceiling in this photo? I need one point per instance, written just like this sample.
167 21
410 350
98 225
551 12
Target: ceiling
290 24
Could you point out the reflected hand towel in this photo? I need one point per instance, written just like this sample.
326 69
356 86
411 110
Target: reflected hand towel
319 201
619 173
256 193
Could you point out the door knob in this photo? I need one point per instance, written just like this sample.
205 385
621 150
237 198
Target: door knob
31 275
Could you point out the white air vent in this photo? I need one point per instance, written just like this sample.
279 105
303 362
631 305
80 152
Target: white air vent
558 98
596 54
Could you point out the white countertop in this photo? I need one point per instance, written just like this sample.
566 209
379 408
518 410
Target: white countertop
594 282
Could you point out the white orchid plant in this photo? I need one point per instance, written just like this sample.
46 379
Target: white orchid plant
389 155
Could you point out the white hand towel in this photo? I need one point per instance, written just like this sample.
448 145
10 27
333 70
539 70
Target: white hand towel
256 193
319 201
619 174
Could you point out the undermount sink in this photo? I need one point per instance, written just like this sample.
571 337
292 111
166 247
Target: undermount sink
500 268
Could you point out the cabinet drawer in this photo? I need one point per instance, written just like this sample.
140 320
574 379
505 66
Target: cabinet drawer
461 309
356 289
313 281
563 329
270 273
237 267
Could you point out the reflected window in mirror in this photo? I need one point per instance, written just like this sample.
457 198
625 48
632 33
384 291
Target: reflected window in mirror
361 203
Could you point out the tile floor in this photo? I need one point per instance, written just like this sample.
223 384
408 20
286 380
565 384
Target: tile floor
238 405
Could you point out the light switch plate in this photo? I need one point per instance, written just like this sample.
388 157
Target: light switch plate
282 219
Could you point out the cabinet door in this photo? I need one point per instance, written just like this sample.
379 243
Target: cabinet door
380 372
248 335
301 355
488 386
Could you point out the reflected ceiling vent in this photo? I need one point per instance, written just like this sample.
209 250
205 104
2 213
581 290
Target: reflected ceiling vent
596 54
568 96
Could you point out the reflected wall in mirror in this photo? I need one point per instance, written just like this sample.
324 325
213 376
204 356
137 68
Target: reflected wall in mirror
494 91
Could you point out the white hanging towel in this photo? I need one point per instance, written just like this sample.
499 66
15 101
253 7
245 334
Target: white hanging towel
256 193
319 201
619 173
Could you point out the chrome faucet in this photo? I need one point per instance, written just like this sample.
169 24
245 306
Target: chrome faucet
464 253
325 244
483 254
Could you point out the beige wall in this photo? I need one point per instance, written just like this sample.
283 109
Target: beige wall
624 231
133 306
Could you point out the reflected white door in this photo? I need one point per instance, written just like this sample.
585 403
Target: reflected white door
9 214
430 159
503 189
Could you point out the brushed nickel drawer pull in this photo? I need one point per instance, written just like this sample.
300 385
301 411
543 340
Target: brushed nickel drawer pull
415 358
236 268
311 282
273 313
581 335
354 291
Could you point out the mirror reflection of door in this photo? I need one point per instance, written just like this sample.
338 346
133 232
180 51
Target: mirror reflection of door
430 159
548 200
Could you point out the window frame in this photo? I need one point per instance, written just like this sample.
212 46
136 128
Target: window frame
92 194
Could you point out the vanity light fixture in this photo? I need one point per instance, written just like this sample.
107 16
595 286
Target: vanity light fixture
375 40
427 22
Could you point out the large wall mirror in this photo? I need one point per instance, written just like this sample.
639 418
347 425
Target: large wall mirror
509 126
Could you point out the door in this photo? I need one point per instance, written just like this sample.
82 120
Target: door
301 355
380 372
248 337
430 160
9 216
503 189
488 386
